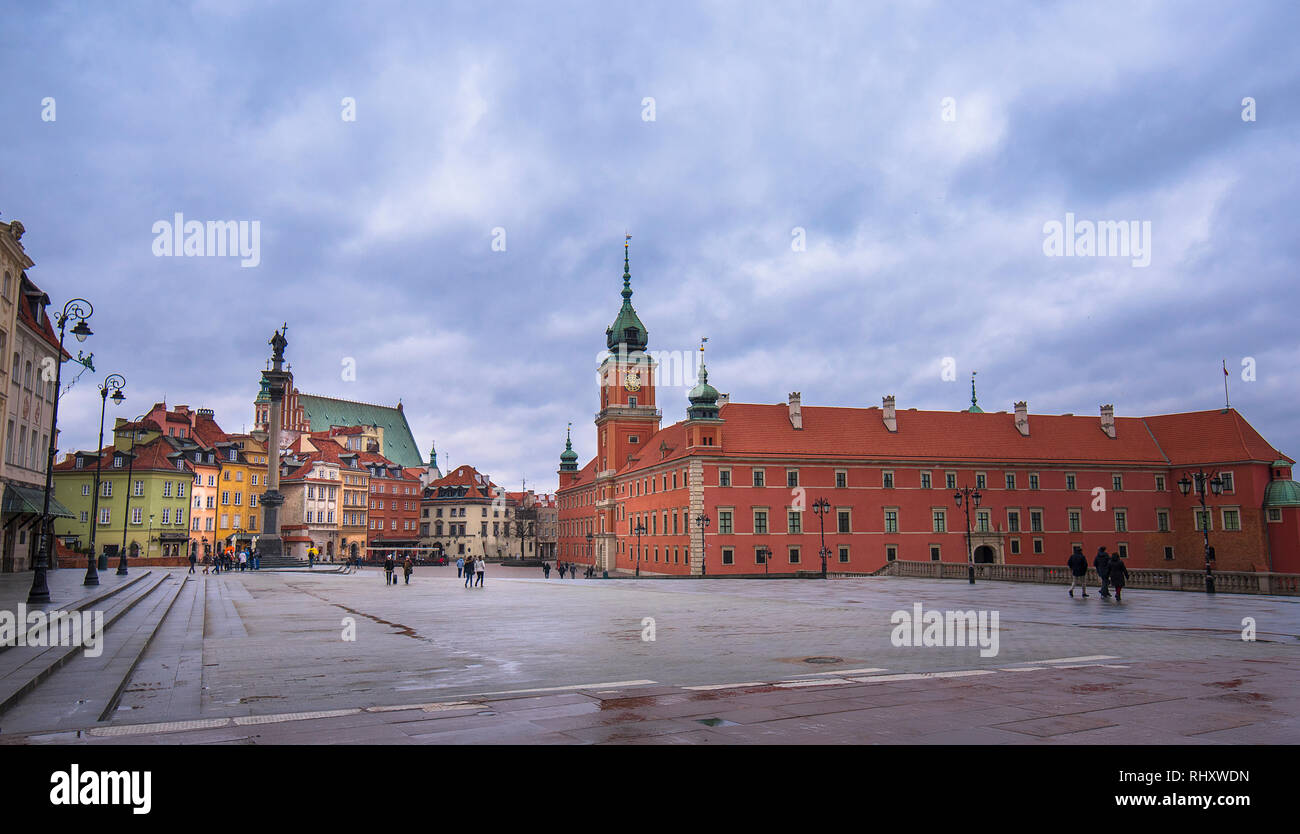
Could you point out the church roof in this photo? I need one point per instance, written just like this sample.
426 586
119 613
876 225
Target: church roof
324 413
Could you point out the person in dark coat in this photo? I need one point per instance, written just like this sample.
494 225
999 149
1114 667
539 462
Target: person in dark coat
407 567
1102 563
389 579
1078 564
561 566
1118 575
546 570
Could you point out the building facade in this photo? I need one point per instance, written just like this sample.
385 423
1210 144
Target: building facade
31 355
782 485
464 514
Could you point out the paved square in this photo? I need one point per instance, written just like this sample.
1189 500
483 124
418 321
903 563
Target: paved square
262 657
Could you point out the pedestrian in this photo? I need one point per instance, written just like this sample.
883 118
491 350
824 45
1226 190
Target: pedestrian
407 567
194 558
1078 570
479 565
546 570
460 566
573 571
560 566
206 564
1102 563
469 571
388 569
1118 575
243 561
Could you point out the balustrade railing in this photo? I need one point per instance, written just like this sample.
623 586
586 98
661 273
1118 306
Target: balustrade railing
1229 582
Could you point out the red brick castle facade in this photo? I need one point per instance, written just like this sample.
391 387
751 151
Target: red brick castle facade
888 478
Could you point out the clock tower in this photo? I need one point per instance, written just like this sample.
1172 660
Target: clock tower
627 416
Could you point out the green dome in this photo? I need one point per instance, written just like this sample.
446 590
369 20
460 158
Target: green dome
1282 494
568 458
703 397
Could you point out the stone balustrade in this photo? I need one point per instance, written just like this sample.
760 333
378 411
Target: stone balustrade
1228 582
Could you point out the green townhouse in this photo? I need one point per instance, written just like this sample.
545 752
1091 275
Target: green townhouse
145 486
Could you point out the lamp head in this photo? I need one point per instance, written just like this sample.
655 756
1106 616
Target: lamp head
1184 485
82 330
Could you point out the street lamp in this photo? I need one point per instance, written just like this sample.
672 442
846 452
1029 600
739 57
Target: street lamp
1215 483
126 513
40 591
589 538
115 382
821 507
766 555
640 531
702 521
972 496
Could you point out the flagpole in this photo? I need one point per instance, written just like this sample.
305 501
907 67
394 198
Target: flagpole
1226 405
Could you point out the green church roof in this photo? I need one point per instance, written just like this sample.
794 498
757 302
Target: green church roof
399 444
1282 494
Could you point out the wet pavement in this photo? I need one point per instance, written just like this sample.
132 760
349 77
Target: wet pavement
528 660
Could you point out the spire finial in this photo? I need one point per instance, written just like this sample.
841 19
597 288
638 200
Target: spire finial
704 373
627 269
973 404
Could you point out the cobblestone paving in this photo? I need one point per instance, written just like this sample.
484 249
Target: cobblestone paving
530 660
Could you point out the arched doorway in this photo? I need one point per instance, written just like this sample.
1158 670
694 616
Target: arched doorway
354 550
329 549
985 555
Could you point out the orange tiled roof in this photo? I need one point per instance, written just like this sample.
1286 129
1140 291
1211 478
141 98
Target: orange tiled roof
764 431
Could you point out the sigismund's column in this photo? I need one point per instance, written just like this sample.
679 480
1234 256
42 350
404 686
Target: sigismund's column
270 543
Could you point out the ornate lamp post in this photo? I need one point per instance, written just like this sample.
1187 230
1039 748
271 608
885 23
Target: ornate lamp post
970 496
702 521
640 531
79 309
766 555
1200 480
589 552
126 512
821 507
115 382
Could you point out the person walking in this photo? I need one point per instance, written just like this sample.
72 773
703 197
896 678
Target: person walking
207 564
469 571
243 561
460 566
388 569
546 570
1102 563
194 558
407 567
1118 575
1078 564
479 565
560 566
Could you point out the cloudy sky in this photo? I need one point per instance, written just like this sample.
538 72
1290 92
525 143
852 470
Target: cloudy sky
838 195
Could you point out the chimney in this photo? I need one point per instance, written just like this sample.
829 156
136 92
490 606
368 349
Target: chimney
1022 417
723 399
1108 420
887 406
796 418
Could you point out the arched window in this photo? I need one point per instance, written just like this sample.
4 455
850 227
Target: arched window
27 376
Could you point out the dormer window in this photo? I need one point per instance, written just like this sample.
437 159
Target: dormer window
80 462
232 454
117 461
180 464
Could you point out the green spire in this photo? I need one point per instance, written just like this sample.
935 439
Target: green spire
433 454
627 332
974 406
703 397
568 458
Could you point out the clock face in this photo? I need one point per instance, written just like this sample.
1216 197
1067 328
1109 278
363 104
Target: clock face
632 381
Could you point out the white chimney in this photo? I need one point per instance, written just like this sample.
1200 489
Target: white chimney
1108 420
796 418
1022 417
723 399
887 413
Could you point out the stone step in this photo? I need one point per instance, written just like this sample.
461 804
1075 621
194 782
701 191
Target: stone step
23 668
89 596
168 681
85 690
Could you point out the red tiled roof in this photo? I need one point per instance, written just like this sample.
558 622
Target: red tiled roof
151 455
43 328
764 431
1210 436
